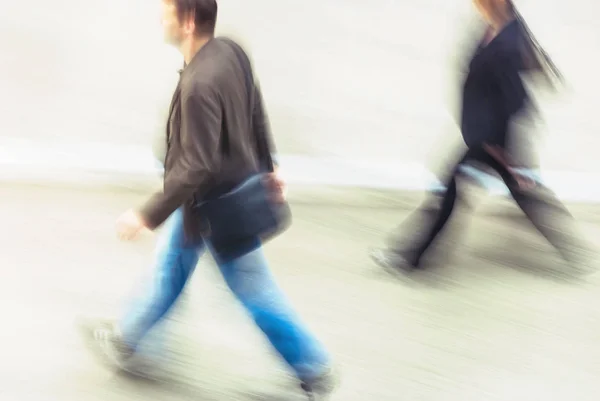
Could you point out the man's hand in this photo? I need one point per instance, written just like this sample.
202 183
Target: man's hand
277 186
130 225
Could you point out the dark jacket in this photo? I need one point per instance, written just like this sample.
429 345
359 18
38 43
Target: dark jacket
213 134
493 92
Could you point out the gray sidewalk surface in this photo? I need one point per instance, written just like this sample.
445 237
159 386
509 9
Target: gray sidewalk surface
497 324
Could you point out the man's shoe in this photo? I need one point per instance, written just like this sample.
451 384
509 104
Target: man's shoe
105 341
321 387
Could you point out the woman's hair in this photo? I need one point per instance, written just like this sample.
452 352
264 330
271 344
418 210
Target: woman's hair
536 57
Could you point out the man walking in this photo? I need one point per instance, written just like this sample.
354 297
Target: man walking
211 149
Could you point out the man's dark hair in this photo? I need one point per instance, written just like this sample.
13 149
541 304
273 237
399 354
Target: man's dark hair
204 13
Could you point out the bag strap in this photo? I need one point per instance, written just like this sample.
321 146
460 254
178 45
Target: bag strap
246 67
262 144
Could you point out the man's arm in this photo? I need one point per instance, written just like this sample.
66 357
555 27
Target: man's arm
261 128
196 151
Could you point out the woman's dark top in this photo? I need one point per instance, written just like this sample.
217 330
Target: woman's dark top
493 91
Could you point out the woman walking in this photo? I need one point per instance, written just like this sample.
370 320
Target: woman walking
493 94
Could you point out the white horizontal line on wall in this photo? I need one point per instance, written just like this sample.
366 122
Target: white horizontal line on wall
72 162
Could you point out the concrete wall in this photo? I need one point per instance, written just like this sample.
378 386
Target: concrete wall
368 80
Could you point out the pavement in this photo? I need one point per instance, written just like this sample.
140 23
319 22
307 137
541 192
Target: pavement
496 323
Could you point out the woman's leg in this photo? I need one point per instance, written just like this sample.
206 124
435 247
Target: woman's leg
430 221
548 215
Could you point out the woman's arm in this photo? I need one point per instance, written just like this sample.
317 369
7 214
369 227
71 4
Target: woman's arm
499 154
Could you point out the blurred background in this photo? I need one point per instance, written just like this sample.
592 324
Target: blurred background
345 81
362 96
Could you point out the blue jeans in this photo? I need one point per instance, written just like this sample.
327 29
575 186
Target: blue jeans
252 283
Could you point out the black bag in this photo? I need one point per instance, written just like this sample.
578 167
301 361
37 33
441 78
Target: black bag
243 215
247 213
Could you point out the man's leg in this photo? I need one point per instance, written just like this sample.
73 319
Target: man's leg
175 262
251 281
